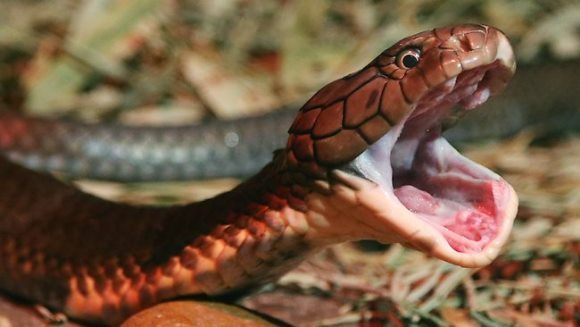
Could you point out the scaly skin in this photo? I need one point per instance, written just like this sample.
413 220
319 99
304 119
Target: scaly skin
124 153
101 261
539 95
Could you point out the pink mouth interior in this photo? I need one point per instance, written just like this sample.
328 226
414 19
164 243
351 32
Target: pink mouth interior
452 194
432 180
461 199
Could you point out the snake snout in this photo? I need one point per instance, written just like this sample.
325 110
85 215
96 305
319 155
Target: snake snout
466 42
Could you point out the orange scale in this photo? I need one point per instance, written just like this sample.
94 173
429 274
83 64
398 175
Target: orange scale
384 60
305 121
329 121
339 148
443 33
389 69
374 129
394 106
290 156
302 148
363 103
414 85
435 75
312 168
399 74
450 63
340 88
476 40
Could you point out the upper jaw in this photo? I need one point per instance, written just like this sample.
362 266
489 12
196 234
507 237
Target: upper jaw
476 48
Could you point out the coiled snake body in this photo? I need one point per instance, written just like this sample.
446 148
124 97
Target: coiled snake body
364 160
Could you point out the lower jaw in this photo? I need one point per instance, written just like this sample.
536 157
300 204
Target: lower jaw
470 236
454 195
464 202
381 216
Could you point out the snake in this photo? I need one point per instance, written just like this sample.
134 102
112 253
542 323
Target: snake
365 158
238 148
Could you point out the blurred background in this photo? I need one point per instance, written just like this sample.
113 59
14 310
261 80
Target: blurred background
103 60
173 62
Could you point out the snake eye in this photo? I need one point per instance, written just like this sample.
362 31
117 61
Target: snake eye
408 58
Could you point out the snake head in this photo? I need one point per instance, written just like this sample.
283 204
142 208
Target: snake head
379 133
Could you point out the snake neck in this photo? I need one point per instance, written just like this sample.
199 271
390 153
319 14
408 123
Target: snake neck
251 235
272 222
261 229
102 261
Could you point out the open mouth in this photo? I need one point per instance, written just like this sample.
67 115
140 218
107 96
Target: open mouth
463 201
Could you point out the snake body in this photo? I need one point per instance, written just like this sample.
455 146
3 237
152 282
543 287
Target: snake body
364 160
125 153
